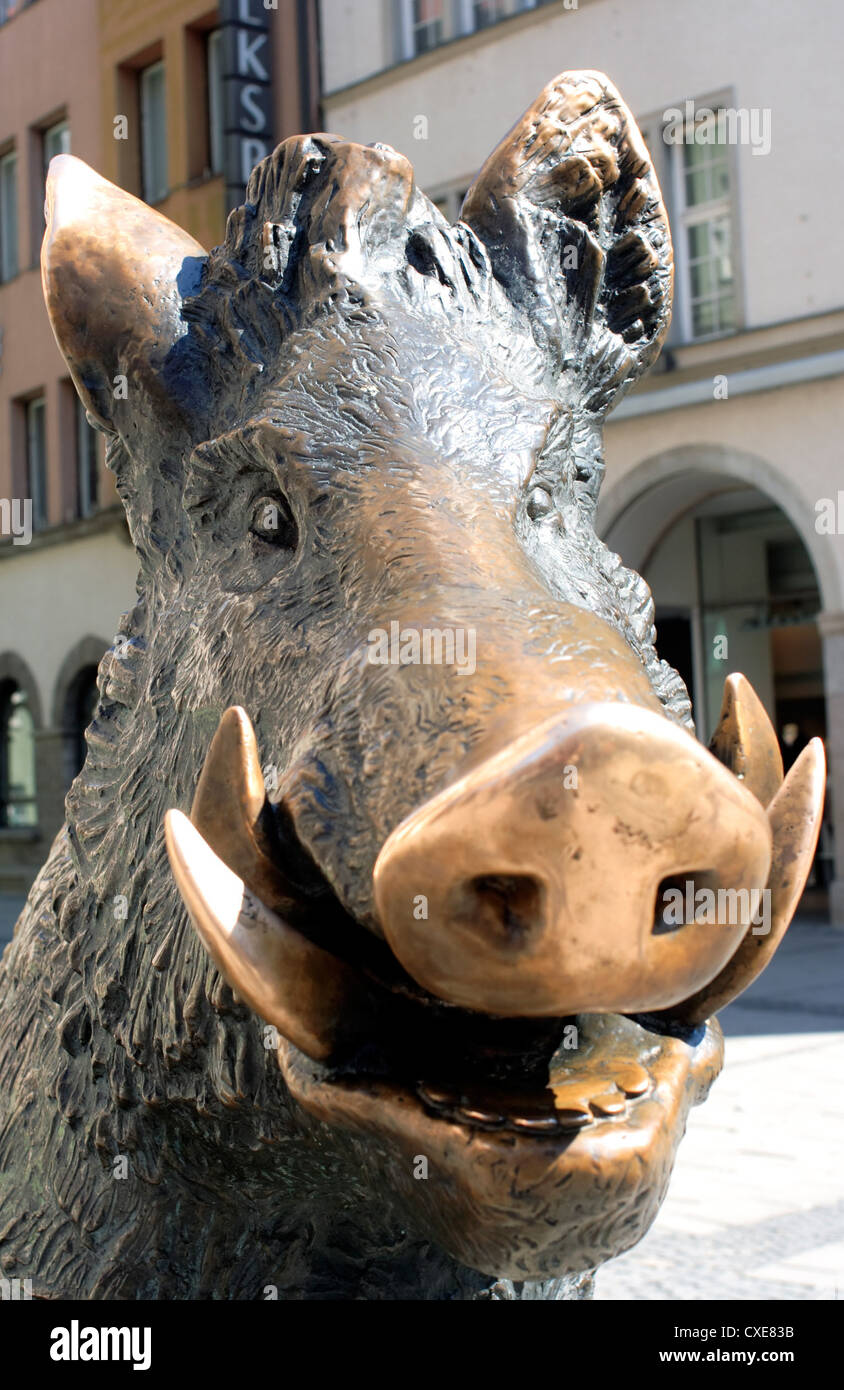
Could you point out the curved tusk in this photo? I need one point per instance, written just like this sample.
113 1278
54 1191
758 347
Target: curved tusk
795 817
745 741
313 998
228 805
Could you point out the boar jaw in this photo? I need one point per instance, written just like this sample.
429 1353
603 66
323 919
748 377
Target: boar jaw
514 1104
363 1048
506 1191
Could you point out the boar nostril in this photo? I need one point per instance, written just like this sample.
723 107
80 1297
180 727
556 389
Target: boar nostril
503 908
675 899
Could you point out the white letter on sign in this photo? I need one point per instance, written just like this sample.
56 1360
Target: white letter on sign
247 59
254 119
251 152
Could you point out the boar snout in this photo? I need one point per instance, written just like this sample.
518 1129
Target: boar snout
535 884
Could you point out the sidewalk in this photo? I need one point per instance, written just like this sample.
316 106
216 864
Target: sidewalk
756 1205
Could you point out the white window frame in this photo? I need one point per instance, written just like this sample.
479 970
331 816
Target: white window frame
670 173
154 164
688 216
9 250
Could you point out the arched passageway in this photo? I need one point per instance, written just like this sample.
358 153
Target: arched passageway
737 586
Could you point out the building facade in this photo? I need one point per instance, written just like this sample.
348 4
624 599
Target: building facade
148 95
723 466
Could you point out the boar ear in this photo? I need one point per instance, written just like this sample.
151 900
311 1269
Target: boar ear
115 273
570 211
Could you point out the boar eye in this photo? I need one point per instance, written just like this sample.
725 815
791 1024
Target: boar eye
272 522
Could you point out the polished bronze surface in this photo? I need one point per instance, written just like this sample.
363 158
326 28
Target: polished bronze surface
499 1163
745 741
795 817
465 889
542 869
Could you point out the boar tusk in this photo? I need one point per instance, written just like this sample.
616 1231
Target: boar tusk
309 995
795 817
745 742
227 808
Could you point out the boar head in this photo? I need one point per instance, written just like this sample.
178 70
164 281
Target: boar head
360 451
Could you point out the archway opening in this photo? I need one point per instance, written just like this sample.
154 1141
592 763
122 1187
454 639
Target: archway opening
80 703
18 805
735 589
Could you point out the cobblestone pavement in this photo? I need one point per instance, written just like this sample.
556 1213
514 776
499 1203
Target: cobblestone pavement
756 1205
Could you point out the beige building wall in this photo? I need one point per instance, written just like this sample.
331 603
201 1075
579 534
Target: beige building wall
658 53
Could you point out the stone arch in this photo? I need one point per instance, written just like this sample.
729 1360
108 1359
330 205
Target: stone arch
89 651
14 668
84 656
681 478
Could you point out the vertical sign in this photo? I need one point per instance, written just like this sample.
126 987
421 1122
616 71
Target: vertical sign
247 91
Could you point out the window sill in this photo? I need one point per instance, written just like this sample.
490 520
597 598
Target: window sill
20 834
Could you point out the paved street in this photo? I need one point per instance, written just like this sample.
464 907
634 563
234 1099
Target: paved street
756 1204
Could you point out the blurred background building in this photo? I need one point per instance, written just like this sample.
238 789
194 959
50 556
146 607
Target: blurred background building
716 465
152 96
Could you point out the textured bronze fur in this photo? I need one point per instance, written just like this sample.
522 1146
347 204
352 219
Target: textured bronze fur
424 403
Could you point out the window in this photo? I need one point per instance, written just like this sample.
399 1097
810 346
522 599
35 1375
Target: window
704 214
486 12
8 216
17 758
153 133
214 60
36 460
87 464
56 141
427 23
9 8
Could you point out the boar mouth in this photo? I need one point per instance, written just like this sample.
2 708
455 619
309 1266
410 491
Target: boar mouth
336 993
549 1141
274 926
350 1020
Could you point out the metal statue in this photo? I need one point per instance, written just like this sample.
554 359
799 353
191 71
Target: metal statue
431 790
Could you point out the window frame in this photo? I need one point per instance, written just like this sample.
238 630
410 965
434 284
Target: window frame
694 215
151 192
87 492
214 88
669 166
63 125
37 488
9 264
458 23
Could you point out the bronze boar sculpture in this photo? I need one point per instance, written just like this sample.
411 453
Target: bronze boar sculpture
434 1035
